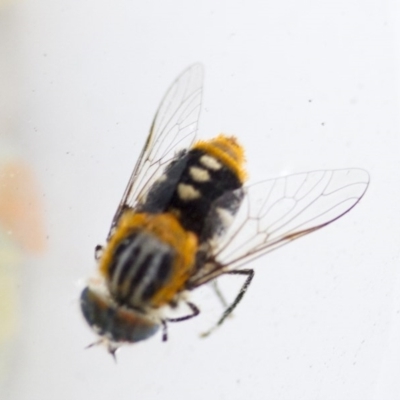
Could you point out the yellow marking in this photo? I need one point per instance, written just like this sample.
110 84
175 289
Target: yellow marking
228 151
188 192
225 216
199 174
168 230
210 162
162 178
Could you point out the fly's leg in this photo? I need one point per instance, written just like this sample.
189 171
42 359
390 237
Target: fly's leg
98 252
164 331
218 293
195 312
249 273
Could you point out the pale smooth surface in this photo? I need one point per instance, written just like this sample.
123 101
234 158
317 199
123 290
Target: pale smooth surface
305 85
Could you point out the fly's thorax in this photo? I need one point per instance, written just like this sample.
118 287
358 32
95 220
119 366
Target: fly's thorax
113 322
148 260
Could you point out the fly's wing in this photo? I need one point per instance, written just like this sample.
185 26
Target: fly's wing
174 127
278 211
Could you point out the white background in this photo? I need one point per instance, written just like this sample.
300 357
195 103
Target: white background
305 85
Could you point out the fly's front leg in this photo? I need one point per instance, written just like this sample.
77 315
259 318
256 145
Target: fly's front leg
249 273
164 331
195 312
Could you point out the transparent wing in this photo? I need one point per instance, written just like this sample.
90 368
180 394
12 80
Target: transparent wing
174 127
278 211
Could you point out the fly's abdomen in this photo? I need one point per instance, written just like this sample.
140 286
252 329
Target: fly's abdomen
148 260
209 192
202 187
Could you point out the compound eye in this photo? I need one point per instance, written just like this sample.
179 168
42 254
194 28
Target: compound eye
115 323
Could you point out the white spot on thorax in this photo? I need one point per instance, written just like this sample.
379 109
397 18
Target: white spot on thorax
188 192
199 174
210 162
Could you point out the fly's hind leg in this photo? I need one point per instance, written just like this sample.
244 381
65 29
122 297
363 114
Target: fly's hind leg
249 273
218 293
